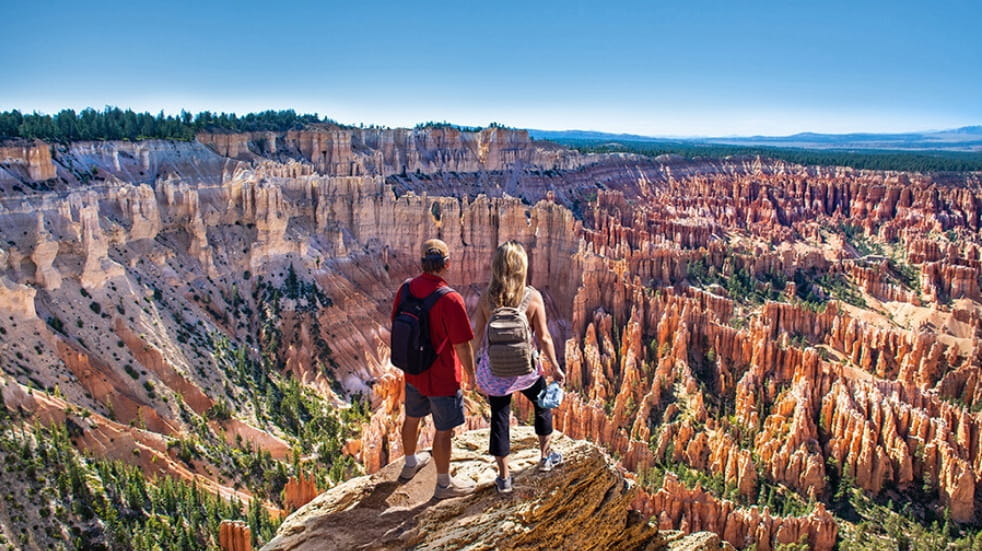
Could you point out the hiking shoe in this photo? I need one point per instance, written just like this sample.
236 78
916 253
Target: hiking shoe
503 485
456 488
547 463
408 472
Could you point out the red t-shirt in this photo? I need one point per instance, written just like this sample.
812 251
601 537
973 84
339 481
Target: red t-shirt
449 325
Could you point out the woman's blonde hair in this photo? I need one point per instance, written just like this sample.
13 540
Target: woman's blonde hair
508 270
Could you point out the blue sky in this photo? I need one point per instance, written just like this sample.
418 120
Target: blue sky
692 67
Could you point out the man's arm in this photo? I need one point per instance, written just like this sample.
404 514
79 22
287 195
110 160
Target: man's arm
458 328
466 356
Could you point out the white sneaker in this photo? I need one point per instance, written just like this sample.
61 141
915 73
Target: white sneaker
550 461
408 472
504 485
456 488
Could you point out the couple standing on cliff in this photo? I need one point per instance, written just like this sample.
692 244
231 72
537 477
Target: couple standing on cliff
438 390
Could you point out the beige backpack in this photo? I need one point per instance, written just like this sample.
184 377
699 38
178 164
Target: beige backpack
510 349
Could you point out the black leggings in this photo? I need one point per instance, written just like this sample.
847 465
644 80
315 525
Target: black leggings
501 418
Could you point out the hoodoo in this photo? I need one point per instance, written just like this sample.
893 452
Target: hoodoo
773 350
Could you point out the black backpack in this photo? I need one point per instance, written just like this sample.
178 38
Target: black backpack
412 349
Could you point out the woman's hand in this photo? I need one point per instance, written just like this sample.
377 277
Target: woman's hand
560 376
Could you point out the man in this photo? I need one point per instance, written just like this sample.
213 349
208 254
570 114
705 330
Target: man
437 390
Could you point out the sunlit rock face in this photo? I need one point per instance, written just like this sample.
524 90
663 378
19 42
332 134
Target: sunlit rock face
778 328
336 151
29 160
583 504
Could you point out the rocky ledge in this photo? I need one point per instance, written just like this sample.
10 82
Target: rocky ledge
583 504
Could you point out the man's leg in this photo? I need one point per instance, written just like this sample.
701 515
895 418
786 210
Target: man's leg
410 435
417 407
448 413
441 451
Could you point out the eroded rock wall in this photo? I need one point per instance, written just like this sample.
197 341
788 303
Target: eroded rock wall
341 151
769 325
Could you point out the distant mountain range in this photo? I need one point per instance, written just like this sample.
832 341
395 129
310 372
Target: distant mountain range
967 138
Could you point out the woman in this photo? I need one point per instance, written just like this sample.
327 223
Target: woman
507 288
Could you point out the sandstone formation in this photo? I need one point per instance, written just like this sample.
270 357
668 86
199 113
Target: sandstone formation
340 151
694 510
583 504
104 438
299 491
778 329
234 536
30 161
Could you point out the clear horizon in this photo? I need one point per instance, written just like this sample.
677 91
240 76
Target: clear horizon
768 68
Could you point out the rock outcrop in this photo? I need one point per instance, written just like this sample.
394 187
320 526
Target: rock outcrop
30 160
583 504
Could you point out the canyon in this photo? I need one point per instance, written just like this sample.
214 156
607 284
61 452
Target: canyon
746 336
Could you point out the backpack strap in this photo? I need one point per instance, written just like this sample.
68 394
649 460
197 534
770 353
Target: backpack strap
436 295
429 300
404 292
428 303
523 308
526 300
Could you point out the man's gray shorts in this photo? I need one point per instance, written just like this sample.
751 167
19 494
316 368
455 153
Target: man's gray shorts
448 411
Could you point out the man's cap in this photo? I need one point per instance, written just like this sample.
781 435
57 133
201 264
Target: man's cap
435 249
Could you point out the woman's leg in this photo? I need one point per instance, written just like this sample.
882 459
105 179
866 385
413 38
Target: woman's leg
502 461
543 416
501 432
